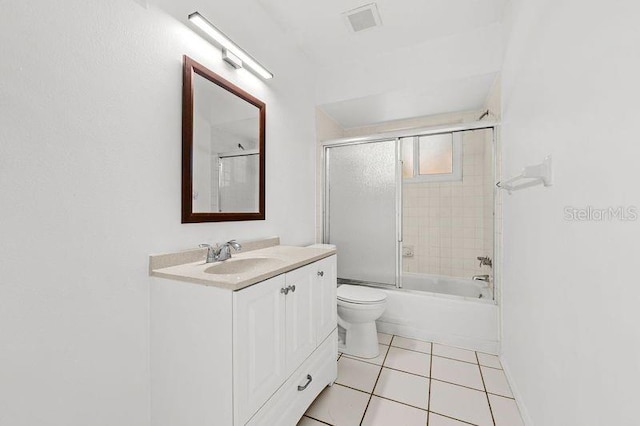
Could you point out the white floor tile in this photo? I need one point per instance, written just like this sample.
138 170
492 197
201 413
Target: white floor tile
496 381
489 360
339 406
460 403
410 361
438 420
505 411
377 360
306 421
458 372
413 344
384 339
454 353
382 412
357 374
403 387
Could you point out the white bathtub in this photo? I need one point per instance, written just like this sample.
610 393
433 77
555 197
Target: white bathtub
426 309
447 285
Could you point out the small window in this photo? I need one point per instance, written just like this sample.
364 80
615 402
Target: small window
432 158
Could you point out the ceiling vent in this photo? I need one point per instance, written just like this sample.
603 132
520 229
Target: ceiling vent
362 18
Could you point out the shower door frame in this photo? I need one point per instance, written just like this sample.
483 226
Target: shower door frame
398 203
396 136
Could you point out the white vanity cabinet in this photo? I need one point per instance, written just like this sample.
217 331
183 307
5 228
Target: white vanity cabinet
255 356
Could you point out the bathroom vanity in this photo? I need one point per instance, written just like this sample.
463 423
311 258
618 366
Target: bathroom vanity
248 341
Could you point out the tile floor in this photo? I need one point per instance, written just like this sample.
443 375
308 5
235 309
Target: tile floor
416 383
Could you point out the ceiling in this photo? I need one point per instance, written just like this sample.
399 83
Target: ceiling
428 57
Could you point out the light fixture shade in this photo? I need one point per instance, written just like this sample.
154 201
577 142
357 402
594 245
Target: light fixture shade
225 42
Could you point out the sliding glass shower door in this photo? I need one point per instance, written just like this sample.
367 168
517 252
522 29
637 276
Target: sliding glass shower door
361 200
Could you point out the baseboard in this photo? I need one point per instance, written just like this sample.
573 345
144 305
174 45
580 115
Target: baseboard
524 413
481 345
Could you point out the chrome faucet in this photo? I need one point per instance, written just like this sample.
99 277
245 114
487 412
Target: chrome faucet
480 278
221 251
485 260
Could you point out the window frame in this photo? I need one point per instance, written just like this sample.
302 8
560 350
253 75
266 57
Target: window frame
456 161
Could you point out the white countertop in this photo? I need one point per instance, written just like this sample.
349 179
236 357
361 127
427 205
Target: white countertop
281 259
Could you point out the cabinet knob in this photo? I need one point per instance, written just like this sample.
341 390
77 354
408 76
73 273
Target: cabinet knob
309 379
284 290
292 288
321 273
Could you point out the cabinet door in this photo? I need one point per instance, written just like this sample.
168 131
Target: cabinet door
300 328
258 345
325 306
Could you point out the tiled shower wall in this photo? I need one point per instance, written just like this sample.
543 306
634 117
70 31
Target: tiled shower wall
450 224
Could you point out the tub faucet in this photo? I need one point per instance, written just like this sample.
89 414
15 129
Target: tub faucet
480 278
221 251
485 260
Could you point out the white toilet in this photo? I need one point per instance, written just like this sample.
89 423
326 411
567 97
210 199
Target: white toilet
358 309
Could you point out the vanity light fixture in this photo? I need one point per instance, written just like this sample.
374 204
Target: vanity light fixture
231 52
231 59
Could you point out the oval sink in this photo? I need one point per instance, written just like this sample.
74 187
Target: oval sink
239 266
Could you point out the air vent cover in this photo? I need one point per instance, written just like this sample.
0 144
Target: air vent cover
362 18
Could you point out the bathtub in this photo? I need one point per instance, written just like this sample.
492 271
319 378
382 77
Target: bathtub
447 286
452 311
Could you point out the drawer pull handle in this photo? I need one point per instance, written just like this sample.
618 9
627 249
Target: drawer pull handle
321 273
309 379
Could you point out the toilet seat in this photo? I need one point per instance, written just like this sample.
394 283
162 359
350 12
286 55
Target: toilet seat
360 294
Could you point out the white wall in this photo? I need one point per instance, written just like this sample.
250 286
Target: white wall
326 129
90 131
444 74
571 289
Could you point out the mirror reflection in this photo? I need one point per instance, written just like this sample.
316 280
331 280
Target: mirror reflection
226 164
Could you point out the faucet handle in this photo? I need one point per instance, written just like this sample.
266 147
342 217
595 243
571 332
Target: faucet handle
485 260
236 245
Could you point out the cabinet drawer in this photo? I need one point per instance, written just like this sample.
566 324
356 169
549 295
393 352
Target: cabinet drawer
289 403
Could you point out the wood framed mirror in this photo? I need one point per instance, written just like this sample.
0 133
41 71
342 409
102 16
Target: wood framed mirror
223 149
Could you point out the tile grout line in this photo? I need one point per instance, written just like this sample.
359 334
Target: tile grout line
407 372
382 397
430 375
399 402
501 396
453 418
319 421
445 357
459 385
449 346
413 406
376 383
493 368
431 355
485 391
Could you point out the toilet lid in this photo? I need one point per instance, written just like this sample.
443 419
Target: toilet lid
360 294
